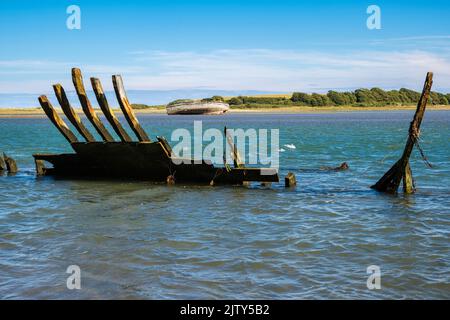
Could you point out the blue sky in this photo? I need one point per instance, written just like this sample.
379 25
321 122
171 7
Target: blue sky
277 46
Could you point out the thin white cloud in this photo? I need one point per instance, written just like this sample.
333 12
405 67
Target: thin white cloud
255 69
288 70
414 38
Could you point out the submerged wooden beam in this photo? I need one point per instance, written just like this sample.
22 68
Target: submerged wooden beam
401 169
71 114
87 107
127 110
56 119
107 111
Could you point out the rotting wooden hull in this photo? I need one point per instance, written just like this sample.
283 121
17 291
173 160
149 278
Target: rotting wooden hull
208 108
149 161
125 159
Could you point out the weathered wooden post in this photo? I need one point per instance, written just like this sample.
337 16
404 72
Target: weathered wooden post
11 165
40 167
170 180
401 169
289 180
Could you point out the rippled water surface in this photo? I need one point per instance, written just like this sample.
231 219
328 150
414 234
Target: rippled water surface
143 240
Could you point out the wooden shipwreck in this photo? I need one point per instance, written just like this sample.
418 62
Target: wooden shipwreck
197 107
141 159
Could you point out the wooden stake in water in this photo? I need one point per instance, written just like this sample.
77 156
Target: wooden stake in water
401 169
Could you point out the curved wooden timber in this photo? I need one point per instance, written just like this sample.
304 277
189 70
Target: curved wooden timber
56 119
71 114
127 110
107 111
87 107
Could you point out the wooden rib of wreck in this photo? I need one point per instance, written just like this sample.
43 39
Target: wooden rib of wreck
143 159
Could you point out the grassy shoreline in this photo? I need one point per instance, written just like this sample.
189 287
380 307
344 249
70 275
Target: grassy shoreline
37 112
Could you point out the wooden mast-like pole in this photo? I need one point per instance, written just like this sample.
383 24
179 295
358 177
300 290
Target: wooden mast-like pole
401 169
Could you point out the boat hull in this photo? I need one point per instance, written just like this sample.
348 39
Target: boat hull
198 108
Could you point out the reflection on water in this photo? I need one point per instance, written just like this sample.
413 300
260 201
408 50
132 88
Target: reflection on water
145 240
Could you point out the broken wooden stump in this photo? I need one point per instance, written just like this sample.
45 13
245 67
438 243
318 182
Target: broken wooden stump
40 167
290 180
11 165
401 169
344 166
170 180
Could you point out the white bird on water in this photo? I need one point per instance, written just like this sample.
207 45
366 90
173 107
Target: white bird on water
290 146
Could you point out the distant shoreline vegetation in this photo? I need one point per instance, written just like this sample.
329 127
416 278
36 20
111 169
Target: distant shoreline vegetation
374 97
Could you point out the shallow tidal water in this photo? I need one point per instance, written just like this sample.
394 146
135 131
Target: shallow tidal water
150 241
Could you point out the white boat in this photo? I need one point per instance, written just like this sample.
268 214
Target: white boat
197 107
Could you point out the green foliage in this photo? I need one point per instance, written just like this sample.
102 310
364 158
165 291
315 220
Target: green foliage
214 99
366 97
409 96
438 98
375 97
235 101
139 106
244 100
180 101
341 98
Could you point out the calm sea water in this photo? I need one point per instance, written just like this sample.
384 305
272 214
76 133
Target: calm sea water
141 240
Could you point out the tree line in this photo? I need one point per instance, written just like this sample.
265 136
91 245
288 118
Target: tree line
359 97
